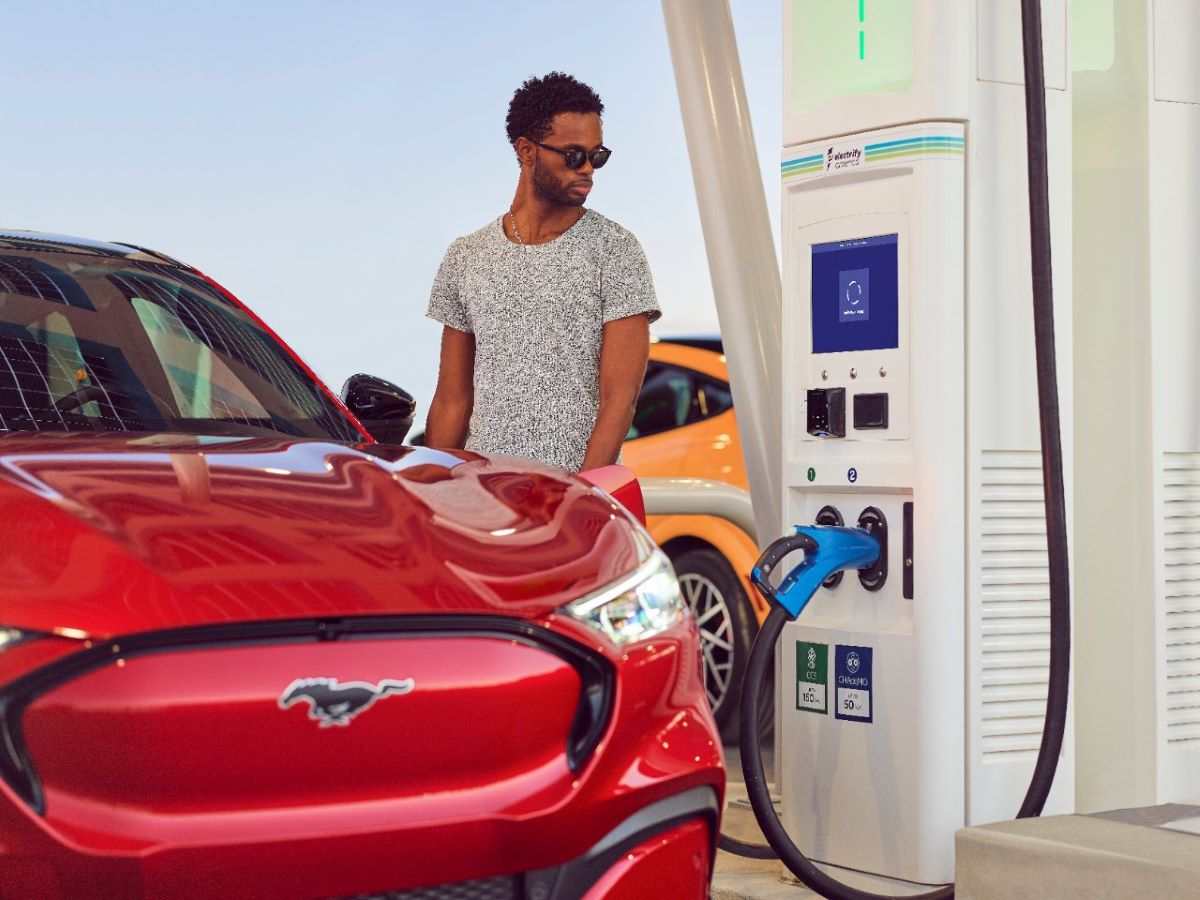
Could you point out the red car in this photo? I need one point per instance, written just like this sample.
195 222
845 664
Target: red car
247 651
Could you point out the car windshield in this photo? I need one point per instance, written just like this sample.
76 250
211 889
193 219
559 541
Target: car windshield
105 343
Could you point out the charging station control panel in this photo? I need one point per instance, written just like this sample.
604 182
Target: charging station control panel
855 308
855 276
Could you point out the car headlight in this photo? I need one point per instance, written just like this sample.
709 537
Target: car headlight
642 604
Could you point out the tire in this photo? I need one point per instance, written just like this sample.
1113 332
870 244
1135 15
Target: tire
727 629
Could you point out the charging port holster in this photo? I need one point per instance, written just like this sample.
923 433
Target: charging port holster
873 522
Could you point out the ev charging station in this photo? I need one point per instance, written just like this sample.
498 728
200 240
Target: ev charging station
914 691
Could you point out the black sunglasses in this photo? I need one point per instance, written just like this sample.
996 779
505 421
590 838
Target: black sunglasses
573 159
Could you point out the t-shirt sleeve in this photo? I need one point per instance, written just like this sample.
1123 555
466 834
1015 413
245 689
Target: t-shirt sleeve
626 287
446 304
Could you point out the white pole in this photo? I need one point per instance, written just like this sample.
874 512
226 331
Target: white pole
737 236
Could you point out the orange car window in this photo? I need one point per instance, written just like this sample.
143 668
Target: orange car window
664 402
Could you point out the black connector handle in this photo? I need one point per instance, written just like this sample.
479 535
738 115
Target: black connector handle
774 555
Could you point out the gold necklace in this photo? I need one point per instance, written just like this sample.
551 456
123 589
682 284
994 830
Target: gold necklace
517 234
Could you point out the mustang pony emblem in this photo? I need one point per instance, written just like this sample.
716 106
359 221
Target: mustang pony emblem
331 703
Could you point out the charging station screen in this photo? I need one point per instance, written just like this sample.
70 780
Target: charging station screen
855 294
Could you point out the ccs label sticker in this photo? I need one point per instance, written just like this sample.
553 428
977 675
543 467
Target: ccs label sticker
812 676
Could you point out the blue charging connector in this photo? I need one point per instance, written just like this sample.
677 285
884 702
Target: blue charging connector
827 549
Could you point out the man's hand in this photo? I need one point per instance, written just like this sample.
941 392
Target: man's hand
624 349
454 398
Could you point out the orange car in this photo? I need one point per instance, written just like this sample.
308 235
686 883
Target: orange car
684 427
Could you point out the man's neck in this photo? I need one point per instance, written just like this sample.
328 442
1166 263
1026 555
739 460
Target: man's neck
538 221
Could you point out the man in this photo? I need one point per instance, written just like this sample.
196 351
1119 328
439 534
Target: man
546 309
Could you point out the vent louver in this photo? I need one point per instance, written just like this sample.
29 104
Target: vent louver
1014 582
1181 595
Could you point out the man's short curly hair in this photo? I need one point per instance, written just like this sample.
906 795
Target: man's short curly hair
539 100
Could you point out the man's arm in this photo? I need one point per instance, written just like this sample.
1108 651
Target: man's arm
624 349
454 398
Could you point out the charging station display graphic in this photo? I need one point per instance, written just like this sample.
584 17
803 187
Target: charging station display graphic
852 673
854 295
812 676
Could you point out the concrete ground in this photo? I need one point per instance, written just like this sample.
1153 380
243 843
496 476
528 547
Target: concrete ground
738 878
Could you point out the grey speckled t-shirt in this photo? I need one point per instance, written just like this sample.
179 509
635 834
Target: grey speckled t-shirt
538 313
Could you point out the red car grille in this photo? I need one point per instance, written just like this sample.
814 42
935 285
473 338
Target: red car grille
506 888
310 714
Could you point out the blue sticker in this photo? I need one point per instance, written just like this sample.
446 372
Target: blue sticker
852 476
852 683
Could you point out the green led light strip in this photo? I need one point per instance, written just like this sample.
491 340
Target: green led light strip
862 34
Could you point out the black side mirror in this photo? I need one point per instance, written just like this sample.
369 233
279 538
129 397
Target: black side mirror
385 410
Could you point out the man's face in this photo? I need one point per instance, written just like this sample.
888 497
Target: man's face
552 180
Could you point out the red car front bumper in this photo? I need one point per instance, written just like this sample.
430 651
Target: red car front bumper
167 771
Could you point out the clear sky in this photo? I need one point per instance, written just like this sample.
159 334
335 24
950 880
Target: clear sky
317 158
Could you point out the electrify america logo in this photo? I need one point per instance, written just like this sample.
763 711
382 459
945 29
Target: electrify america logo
843 159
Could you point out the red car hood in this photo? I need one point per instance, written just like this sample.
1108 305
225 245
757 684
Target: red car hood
108 535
